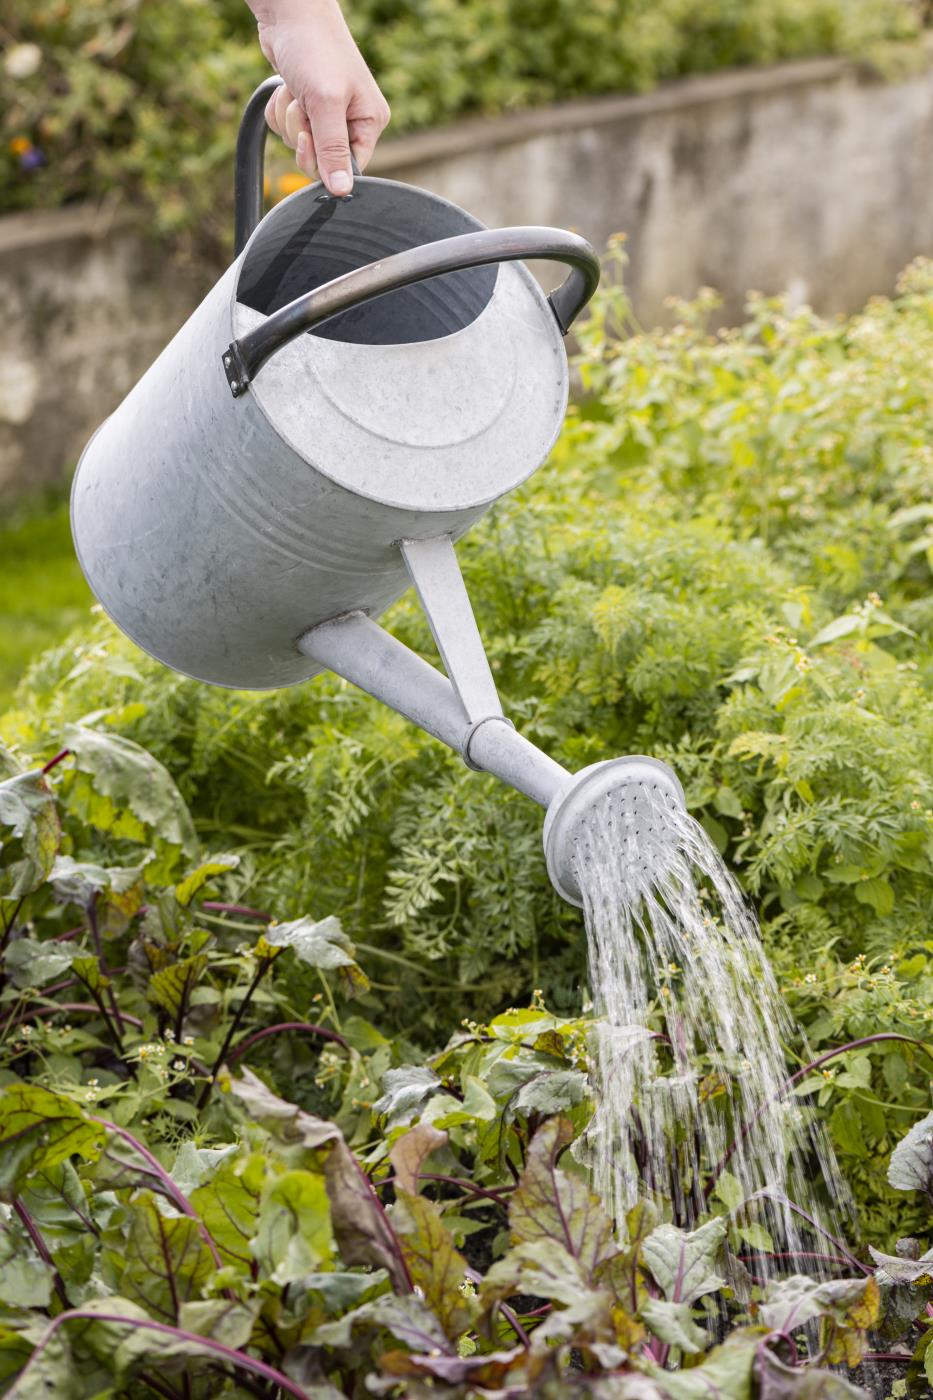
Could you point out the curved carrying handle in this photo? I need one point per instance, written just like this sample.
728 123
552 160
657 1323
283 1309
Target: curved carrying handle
243 358
250 160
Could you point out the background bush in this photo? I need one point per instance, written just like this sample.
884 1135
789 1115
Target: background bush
726 564
138 100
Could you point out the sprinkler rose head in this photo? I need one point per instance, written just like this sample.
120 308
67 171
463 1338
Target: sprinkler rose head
636 790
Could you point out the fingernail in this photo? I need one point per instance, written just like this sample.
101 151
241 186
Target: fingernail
340 182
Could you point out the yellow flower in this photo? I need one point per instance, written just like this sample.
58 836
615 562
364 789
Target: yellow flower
19 146
288 184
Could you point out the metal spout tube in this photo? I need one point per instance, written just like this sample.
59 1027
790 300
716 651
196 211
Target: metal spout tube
362 652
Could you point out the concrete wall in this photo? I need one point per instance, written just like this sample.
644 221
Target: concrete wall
86 304
812 178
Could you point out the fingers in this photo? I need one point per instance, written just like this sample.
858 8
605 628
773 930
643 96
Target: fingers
323 131
332 143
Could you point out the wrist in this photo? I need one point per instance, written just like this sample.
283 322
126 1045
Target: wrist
270 13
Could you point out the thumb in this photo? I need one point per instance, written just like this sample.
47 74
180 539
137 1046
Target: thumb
332 145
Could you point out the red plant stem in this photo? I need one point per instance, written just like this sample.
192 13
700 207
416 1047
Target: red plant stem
794 1079
301 1027
493 1194
887 1356
41 1248
177 1197
515 1325
76 1006
243 909
262 969
239 1359
770 1195
68 934
54 762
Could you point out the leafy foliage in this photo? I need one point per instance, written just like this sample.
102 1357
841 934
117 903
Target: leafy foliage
348 1215
727 564
106 98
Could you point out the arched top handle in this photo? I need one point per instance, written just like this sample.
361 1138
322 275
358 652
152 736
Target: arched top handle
248 181
243 358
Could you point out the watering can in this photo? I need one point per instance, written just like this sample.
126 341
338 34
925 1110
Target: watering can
369 376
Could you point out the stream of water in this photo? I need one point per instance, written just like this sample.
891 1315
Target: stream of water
690 1042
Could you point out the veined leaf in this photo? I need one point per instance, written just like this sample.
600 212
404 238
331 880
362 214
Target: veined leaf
911 1165
361 1229
187 888
551 1205
171 986
408 1154
673 1323
228 1204
681 1263
404 1092
134 780
433 1262
30 963
323 944
29 812
408 1318
164 1262
294 1235
39 1129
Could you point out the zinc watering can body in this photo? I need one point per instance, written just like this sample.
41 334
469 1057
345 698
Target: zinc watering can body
362 384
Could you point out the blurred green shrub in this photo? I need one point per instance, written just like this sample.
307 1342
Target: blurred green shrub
138 100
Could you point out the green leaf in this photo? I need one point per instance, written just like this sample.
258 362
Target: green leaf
30 963
911 1165
222 1319
673 1323
171 987
163 1260
681 1263
29 813
187 888
543 1269
877 893
228 1204
132 779
893 1268
25 1280
776 1381
552 1092
549 1205
404 1092
321 943
409 1152
360 1226
433 1262
294 1235
408 1318
39 1129
791 1302
725 1373
730 1191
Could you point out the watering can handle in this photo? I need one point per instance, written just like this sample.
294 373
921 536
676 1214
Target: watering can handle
243 358
250 161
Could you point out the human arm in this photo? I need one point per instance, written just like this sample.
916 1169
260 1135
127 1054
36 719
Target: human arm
330 103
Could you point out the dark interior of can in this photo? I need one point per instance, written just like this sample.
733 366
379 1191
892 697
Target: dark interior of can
314 238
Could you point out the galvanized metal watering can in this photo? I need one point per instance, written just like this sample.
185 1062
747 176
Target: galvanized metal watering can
362 384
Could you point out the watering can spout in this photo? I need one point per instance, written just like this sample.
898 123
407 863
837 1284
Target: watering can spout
462 709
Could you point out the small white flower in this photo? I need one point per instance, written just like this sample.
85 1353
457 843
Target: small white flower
22 60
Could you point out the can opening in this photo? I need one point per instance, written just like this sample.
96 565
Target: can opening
312 238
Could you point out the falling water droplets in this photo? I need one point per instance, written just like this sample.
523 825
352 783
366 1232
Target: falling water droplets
690 1063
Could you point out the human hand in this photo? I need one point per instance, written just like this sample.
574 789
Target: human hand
329 103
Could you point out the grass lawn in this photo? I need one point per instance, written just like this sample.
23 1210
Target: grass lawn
42 589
